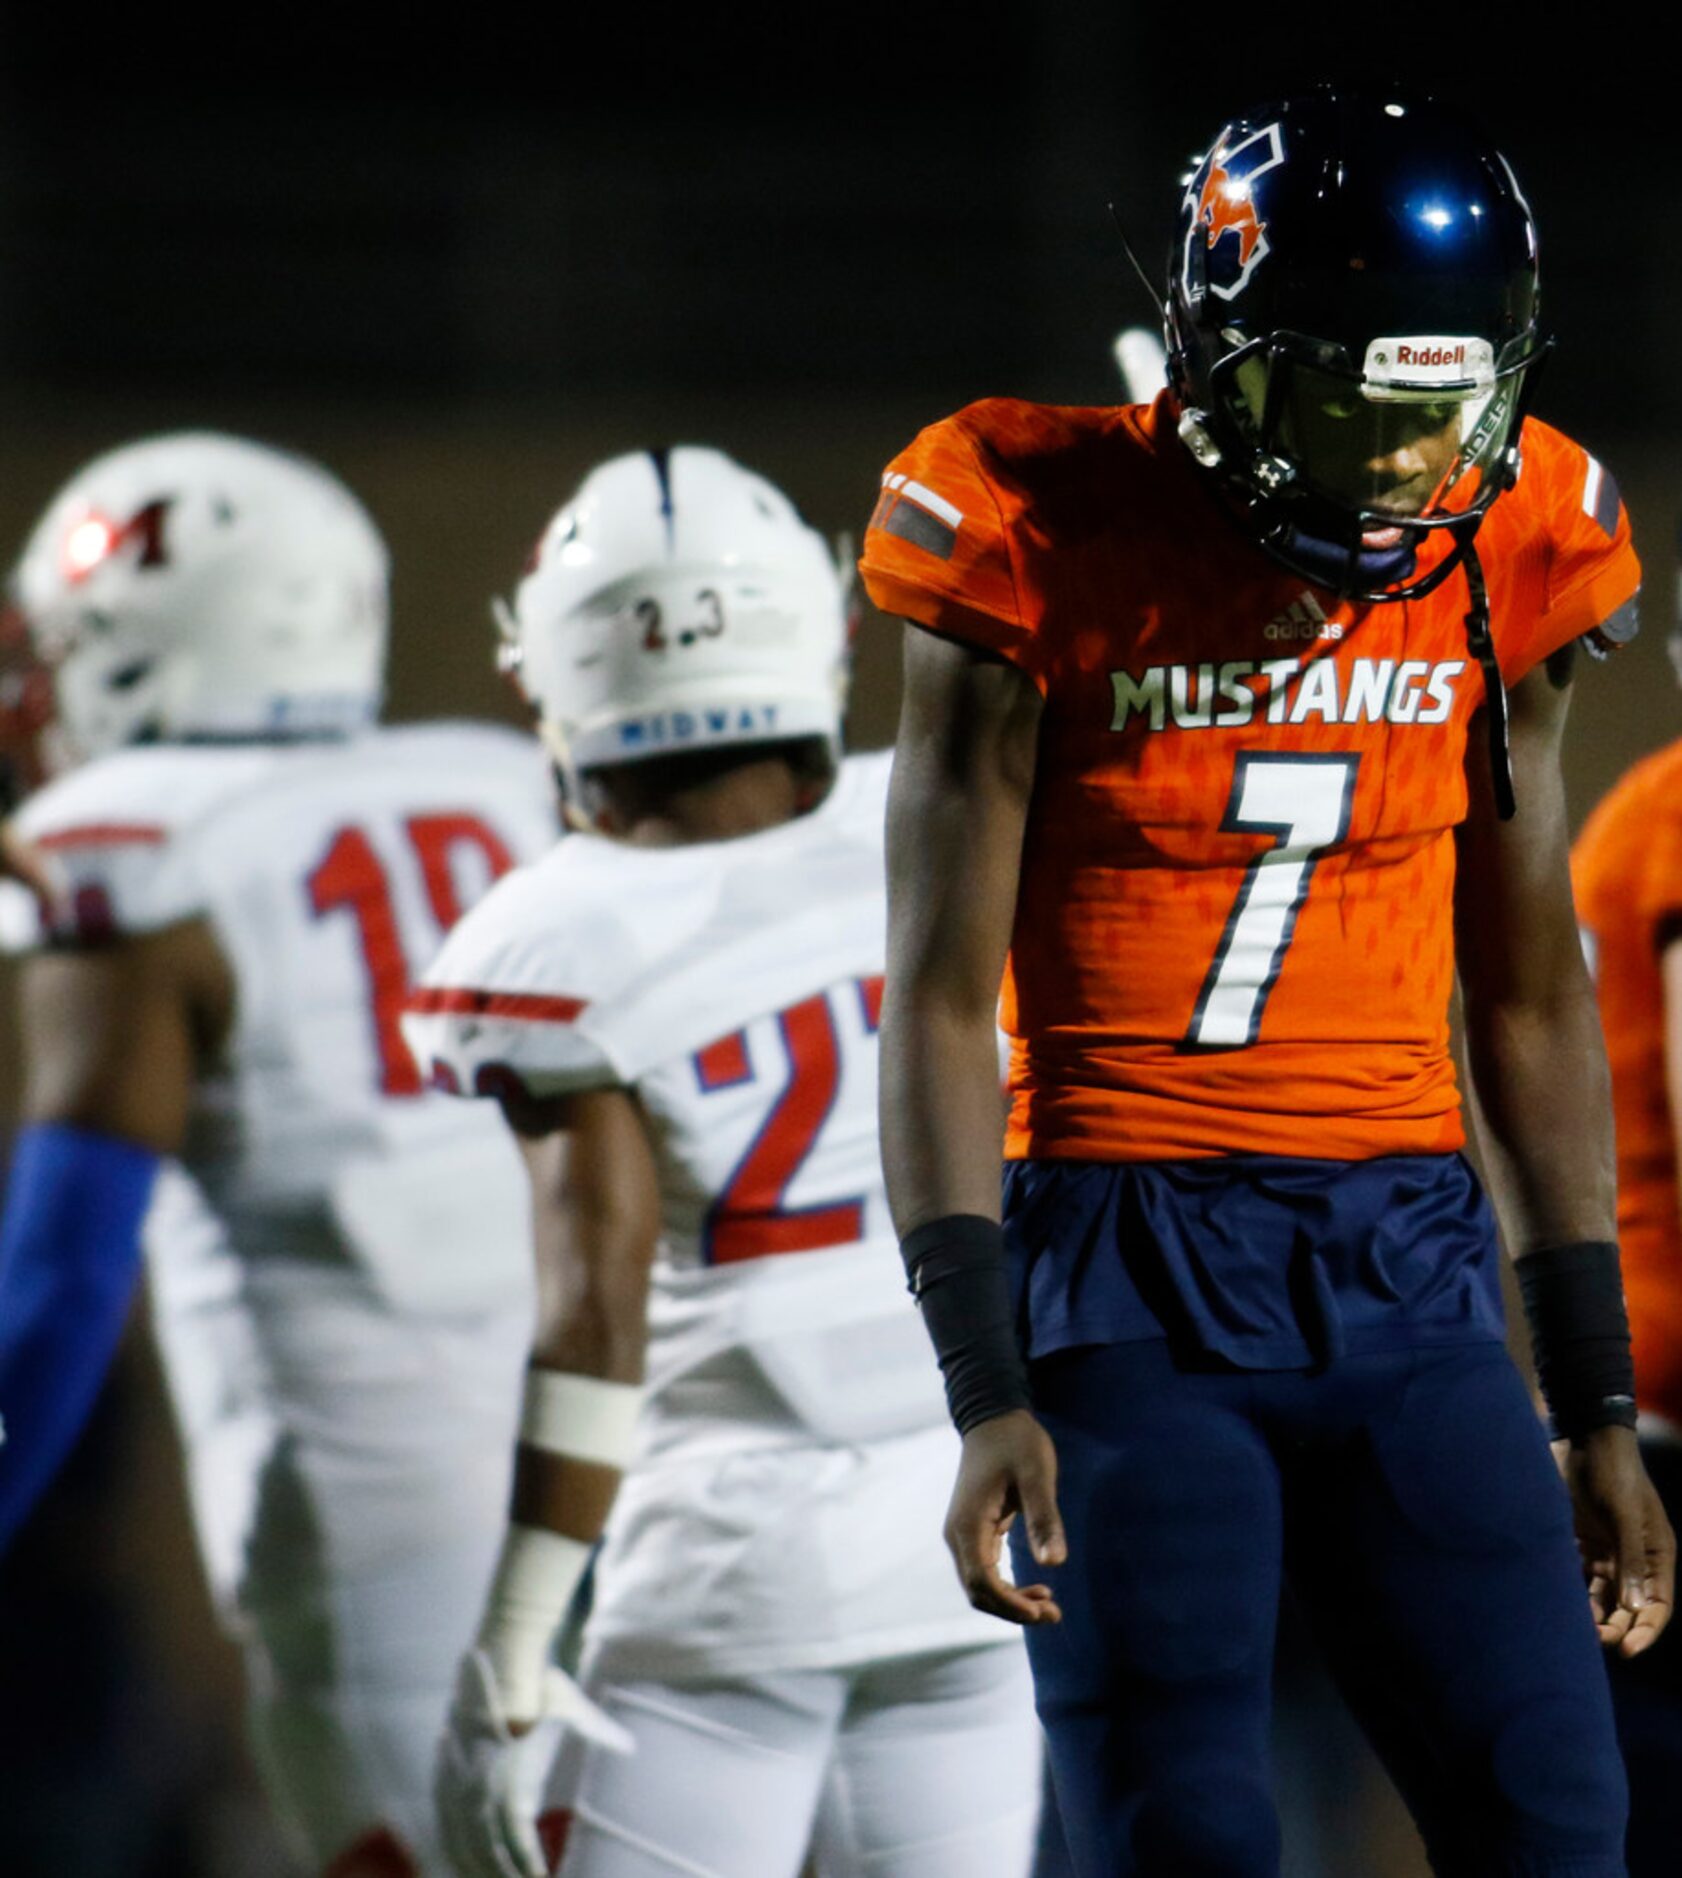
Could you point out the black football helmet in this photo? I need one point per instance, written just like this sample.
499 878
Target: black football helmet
1352 328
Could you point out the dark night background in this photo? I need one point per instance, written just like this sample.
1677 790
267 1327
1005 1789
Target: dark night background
461 256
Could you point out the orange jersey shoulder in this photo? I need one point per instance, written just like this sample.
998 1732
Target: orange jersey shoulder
1234 920
1557 551
1626 867
972 512
950 541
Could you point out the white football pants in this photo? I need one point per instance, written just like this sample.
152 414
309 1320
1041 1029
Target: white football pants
348 1467
916 1767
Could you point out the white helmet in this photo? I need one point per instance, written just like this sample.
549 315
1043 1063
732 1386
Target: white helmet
678 602
198 585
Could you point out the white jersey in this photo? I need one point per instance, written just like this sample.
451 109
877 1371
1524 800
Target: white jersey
328 874
342 1289
735 987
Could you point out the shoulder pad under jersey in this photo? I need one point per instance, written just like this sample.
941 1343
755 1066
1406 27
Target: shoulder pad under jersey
516 995
118 835
1566 521
602 960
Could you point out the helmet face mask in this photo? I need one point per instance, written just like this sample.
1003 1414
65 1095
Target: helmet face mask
677 603
200 587
1352 318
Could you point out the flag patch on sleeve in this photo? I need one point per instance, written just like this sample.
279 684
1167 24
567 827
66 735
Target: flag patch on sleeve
1600 497
916 514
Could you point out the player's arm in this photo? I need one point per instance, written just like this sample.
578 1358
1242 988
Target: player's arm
596 1221
1538 1067
21 862
957 805
111 1038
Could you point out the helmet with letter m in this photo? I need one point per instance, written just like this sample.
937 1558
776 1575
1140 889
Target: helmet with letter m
201 587
678 604
1352 326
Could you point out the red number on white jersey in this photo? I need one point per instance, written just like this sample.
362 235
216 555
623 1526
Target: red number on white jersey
352 878
749 1219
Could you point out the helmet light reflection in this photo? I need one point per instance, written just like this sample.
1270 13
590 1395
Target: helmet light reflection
88 542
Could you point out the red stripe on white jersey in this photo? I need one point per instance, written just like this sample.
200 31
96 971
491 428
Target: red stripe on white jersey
104 835
525 1006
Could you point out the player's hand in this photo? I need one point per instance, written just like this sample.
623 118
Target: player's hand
1009 1468
492 1769
1628 1548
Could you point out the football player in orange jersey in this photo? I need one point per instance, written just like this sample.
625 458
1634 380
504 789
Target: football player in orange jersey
1627 869
1215 715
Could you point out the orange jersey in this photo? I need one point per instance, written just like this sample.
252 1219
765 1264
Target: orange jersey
1233 929
1627 872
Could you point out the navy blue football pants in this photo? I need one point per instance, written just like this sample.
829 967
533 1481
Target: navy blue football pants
1411 1498
1647 1697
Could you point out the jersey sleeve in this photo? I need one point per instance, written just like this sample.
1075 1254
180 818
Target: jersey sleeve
1590 577
522 995
1656 889
1626 865
938 548
119 843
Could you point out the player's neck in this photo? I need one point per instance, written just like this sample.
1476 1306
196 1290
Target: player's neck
742 801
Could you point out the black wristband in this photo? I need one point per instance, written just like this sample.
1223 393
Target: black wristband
956 1267
1579 1335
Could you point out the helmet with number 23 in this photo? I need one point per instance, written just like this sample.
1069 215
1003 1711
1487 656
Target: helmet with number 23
677 603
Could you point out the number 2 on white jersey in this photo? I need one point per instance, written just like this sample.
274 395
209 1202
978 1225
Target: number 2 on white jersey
1304 802
751 1217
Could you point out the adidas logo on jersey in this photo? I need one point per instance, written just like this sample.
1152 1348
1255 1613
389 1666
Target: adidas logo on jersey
1287 691
1303 619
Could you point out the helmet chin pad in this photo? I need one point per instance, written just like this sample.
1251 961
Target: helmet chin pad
1330 564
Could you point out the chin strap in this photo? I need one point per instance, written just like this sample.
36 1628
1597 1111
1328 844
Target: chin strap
1482 647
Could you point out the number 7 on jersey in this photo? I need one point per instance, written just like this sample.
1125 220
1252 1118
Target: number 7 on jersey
1304 802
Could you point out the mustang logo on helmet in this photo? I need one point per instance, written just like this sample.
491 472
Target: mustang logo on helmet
1226 206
